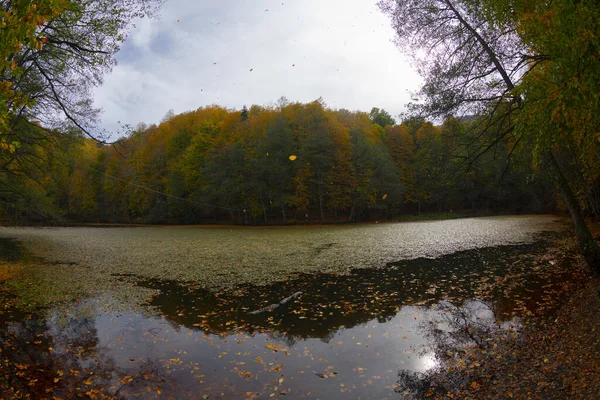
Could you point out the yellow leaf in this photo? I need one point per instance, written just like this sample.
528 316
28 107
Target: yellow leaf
293 157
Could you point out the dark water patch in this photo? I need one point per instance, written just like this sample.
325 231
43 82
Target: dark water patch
11 250
62 263
43 360
83 348
9 311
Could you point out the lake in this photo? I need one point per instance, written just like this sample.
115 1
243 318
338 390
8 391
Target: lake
223 312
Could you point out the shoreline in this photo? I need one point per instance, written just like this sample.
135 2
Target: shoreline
401 220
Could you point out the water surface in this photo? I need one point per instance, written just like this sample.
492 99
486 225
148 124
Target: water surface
346 332
225 256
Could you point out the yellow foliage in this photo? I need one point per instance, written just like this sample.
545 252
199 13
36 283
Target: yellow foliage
7 271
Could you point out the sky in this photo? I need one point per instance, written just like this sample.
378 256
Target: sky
236 53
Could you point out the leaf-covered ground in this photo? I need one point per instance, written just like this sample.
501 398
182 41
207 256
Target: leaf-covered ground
561 358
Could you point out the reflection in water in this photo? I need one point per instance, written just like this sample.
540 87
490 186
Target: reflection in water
39 362
454 335
328 301
346 334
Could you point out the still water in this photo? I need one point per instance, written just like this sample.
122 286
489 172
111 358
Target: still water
220 313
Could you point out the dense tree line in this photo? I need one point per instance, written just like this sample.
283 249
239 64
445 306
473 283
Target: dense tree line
290 163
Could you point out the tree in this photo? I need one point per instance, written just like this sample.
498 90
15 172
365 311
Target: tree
53 52
244 114
401 145
562 95
316 150
381 117
481 57
278 169
430 174
19 25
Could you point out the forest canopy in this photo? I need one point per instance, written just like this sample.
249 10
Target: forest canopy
291 163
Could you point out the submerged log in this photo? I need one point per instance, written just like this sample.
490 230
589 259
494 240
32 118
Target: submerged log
274 306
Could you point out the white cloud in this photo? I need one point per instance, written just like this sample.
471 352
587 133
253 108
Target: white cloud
198 54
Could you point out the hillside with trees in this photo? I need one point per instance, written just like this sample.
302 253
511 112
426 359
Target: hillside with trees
285 164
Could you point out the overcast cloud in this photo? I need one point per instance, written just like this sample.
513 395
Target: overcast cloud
236 53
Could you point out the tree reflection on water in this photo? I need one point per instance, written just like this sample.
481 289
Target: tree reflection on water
460 339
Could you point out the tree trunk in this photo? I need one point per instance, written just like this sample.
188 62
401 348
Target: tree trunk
283 216
595 190
321 204
587 244
264 207
593 200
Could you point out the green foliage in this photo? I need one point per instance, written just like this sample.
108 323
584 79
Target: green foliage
277 166
381 117
52 52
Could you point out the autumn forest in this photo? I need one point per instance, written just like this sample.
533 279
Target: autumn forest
284 164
